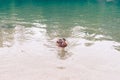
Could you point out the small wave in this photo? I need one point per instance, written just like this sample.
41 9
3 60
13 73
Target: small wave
39 25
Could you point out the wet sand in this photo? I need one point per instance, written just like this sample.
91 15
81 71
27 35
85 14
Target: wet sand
33 60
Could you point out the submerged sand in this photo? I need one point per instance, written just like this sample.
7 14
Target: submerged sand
31 55
34 60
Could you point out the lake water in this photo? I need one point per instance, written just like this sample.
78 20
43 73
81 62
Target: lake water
29 30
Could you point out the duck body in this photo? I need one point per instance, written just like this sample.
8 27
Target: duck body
61 43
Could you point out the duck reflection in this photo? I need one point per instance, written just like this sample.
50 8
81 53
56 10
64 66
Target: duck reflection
63 54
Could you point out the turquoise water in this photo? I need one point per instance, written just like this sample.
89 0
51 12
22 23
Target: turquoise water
59 18
97 17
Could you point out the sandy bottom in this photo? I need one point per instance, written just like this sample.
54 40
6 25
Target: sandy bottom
34 60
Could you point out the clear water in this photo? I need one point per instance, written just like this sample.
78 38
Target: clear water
30 28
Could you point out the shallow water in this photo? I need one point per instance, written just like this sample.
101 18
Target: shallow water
29 30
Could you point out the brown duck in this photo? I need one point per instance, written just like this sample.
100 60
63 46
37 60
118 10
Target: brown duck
61 43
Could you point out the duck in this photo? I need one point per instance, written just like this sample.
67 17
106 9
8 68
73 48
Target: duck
61 43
